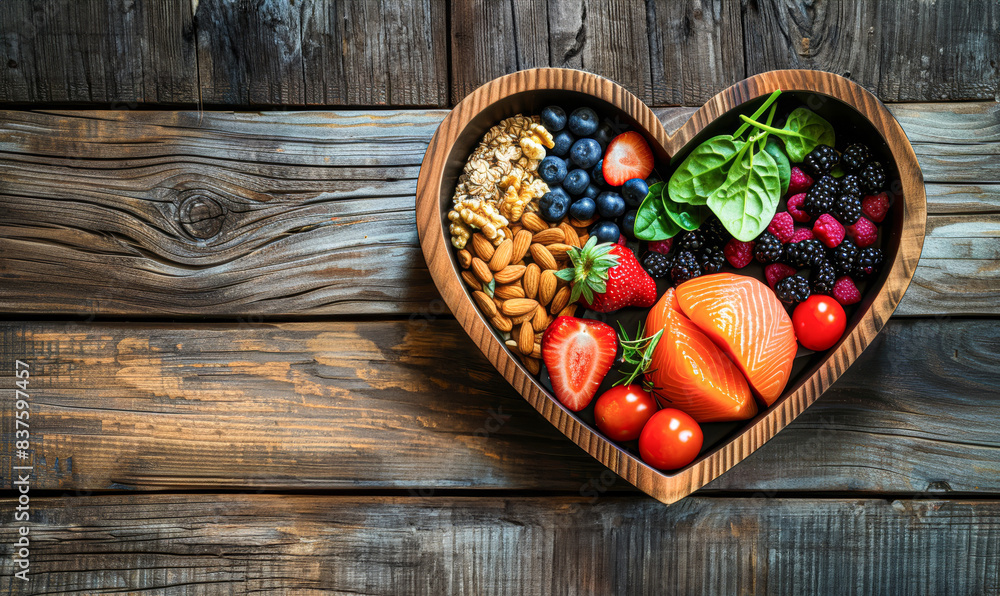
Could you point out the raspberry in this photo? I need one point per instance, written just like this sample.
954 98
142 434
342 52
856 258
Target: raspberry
782 226
621 239
876 206
828 230
863 232
799 182
661 246
776 272
739 254
795 203
802 234
845 292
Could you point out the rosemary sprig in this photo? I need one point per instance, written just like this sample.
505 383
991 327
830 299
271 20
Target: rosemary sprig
636 352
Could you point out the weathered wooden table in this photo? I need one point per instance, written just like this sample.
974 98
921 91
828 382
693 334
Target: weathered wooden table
242 379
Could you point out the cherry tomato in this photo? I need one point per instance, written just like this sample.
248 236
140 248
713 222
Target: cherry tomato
670 440
622 411
819 322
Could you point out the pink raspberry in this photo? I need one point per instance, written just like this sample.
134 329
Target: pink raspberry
782 226
776 272
876 206
739 254
795 208
621 239
845 292
829 231
802 234
799 182
863 232
661 246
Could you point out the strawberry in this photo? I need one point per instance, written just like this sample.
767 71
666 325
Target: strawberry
577 354
628 156
608 277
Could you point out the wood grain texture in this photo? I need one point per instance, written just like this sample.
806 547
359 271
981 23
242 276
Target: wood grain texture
530 90
97 241
212 543
900 51
321 405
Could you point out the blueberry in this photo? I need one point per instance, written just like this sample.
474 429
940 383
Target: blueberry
597 174
605 231
592 191
552 170
634 191
604 133
583 122
610 204
554 204
562 141
628 223
582 209
585 152
554 119
576 181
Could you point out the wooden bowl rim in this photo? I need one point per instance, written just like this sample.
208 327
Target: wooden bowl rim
668 488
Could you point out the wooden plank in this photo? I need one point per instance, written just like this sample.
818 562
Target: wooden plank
317 405
115 53
215 543
901 51
318 211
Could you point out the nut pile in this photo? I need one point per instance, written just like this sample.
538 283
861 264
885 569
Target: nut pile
499 182
514 283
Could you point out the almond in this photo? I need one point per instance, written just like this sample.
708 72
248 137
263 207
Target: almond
530 280
471 280
501 257
525 318
541 319
533 222
549 236
485 304
536 351
532 364
501 323
510 273
522 240
515 228
512 344
558 249
572 238
569 311
518 306
583 223
583 239
560 300
547 282
482 247
526 339
482 270
464 258
543 257
509 291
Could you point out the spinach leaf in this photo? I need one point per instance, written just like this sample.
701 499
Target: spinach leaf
687 217
804 130
784 168
703 170
652 221
748 199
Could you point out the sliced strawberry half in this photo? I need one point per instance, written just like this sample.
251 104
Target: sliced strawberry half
577 354
628 156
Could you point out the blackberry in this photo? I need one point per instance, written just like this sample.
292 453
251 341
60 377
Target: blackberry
844 257
822 159
820 197
867 263
694 241
855 157
851 185
657 264
847 209
685 267
823 278
716 233
768 249
806 253
873 176
792 289
711 260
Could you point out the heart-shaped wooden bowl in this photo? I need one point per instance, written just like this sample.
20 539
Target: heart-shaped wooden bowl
839 100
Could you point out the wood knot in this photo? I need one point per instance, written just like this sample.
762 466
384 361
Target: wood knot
201 217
